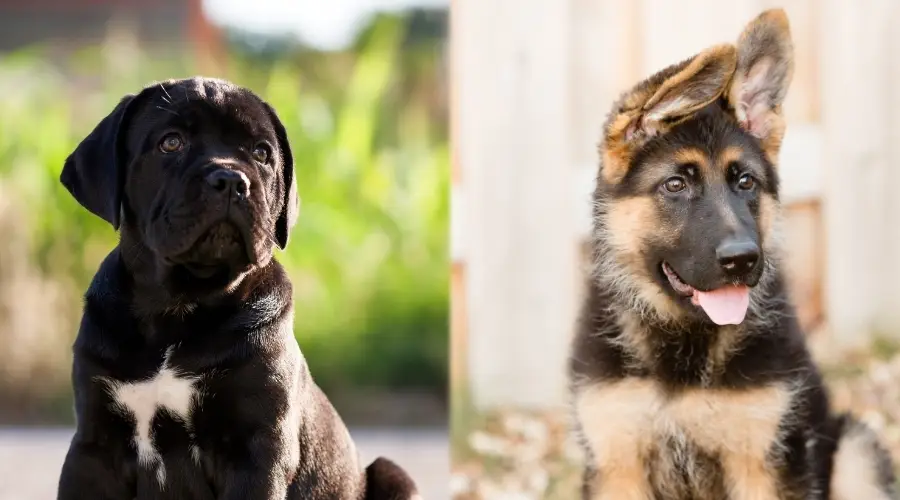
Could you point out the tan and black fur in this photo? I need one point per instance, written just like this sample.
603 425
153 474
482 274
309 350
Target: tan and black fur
668 404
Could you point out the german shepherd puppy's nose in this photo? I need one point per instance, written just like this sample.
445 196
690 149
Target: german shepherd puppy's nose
737 256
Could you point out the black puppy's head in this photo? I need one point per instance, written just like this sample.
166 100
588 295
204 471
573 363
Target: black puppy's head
688 187
197 171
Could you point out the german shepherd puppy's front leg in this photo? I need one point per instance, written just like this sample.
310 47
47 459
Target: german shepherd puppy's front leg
617 425
750 478
744 428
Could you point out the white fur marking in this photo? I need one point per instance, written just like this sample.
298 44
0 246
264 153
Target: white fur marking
166 390
161 474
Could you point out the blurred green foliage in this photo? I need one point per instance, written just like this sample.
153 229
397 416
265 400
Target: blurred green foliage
368 257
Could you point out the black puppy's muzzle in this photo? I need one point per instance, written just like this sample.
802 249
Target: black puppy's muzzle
216 230
228 182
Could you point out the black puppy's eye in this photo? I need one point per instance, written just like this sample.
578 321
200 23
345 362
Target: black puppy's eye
674 184
171 143
746 182
261 153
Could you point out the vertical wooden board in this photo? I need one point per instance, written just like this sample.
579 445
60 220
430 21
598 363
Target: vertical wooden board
605 61
804 255
458 318
674 31
855 51
802 103
891 107
458 331
513 123
455 65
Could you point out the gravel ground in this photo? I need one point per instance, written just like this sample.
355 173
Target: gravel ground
511 454
30 459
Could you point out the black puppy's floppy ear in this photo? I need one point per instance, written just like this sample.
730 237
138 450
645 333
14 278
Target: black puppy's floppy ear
290 203
94 173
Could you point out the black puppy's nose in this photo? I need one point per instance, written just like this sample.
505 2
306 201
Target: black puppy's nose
738 257
229 181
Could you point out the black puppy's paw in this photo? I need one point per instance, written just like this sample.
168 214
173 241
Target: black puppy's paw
386 480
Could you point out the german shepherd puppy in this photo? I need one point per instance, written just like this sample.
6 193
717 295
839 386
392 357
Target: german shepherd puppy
690 376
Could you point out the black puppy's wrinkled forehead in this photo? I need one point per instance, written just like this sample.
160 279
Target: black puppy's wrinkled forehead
713 133
195 105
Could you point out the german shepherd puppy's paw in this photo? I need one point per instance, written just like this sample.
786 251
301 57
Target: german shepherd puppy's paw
861 466
690 376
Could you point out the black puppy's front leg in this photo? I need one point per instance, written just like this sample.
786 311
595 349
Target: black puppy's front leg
89 472
255 482
256 469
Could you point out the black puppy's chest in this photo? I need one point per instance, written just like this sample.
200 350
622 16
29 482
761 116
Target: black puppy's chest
160 410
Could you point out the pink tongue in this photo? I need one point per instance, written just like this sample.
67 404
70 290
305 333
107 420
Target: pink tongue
725 306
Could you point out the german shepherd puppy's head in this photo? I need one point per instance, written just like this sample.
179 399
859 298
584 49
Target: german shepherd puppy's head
688 184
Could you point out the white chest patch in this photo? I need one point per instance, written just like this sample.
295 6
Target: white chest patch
166 390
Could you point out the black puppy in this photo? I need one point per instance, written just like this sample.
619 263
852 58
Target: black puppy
188 381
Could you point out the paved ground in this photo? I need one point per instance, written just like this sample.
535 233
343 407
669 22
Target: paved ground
30 459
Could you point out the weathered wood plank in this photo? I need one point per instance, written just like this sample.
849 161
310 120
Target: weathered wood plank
512 83
858 126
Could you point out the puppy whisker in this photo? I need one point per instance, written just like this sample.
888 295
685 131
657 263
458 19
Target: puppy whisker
167 98
167 110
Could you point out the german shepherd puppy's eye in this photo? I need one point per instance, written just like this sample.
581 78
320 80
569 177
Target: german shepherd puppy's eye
675 184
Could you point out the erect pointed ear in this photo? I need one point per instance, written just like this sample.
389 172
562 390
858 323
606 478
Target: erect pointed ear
290 202
765 66
95 172
658 103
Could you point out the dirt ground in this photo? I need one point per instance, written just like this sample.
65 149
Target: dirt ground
511 454
30 459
